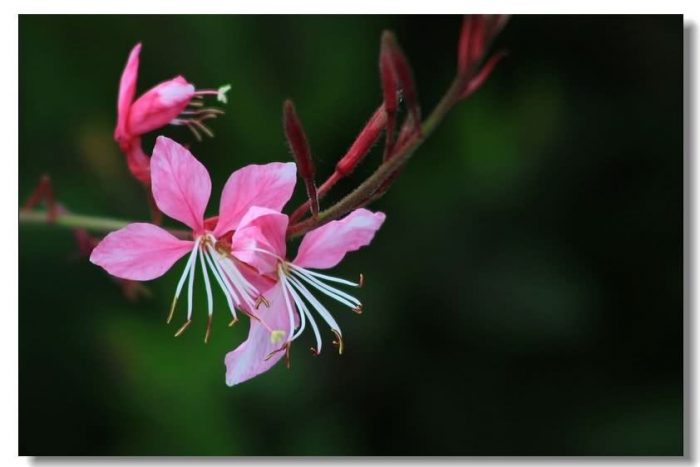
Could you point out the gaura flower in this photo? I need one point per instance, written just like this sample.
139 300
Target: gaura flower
181 188
174 102
259 242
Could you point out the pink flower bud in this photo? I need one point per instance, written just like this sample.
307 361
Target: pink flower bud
160 105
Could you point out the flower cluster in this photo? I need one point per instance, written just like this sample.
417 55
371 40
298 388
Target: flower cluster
242 251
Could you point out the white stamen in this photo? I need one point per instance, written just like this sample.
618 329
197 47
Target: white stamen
190 286
215 271
216 257
207 284
181 282
301 306
305 312
290 313
332 292
323 276
245 288
325 314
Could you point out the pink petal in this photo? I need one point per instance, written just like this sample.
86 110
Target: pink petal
127 90
139 252
260 229
324 247
180 183
159 105
268 186
248 359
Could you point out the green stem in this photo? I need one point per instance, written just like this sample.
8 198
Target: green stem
77 221
367 188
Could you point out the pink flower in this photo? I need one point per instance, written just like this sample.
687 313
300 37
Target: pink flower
181 188
174 102
259 242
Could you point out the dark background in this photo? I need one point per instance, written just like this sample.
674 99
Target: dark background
524 296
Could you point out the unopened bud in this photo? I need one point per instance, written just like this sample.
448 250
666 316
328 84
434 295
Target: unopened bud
302 154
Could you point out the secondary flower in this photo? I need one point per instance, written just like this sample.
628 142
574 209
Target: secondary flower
181 188
174 102
259 242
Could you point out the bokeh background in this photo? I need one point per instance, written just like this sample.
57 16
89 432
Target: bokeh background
525 296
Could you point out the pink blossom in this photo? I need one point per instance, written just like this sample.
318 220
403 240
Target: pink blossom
259 242
174 102
181 188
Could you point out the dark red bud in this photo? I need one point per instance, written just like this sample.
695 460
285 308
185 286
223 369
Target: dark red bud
389 81
403 73
463 46
363 143
302 154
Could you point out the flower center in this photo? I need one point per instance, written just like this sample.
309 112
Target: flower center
237 290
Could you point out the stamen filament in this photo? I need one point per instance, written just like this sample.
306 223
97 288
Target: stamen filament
190 286
210 299
181 282
224 277
224 288
305 310
328 278
290 312
332 292
322 310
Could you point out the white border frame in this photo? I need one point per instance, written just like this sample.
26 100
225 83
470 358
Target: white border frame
9 197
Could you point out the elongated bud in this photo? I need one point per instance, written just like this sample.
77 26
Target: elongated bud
481 77
463 45
403 73
363 143
476 43
478 31
302 154
389 81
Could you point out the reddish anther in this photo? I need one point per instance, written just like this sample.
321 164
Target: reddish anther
302 154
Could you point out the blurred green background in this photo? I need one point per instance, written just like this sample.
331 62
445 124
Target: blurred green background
524 296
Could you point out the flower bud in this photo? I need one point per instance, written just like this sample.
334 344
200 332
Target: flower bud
302 154
160 105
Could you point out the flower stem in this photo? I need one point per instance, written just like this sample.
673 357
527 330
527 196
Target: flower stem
77 221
